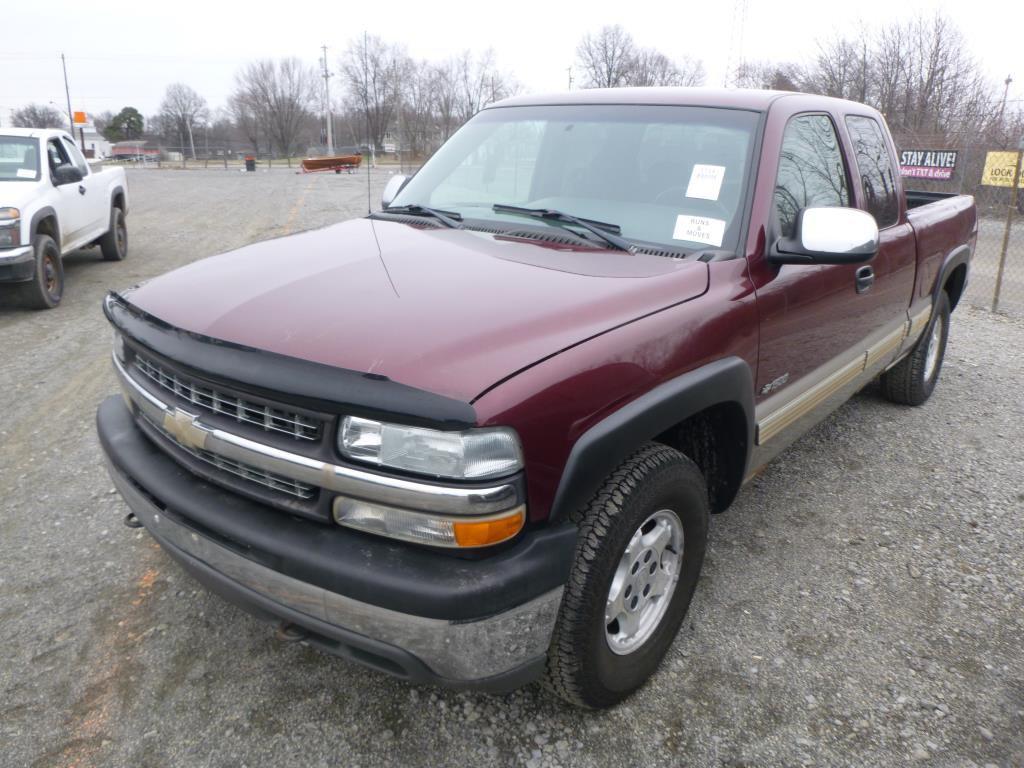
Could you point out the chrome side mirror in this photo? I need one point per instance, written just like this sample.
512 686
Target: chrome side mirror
392 188
829 236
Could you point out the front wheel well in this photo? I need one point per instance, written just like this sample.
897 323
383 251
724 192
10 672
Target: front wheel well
46 226
118 200
715 439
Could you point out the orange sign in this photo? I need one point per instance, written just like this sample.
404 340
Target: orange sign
80 118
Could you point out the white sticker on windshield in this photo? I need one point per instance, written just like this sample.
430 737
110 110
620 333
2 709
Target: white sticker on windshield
699 229
26 173
706 181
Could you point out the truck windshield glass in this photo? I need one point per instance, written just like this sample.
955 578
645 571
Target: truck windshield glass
19 159
666 175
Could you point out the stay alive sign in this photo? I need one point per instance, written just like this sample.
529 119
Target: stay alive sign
928 163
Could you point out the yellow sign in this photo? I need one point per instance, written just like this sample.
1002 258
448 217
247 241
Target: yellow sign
999 168
80 118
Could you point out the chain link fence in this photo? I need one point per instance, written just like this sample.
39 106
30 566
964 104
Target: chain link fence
997 271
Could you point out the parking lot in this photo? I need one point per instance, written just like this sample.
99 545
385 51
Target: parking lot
862 602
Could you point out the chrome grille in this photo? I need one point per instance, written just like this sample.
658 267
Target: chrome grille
216 401
239 469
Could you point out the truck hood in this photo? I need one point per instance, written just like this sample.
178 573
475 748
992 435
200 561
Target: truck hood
18 194
449 311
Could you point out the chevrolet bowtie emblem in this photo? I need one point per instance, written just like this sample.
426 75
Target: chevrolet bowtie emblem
184 428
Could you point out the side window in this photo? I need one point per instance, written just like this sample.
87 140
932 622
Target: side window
56 153
76 157
876 171
811 170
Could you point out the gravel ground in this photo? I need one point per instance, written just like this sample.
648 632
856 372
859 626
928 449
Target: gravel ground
861 602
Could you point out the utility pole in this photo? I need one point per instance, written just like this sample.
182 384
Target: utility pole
327 103
67 93
569 70
1006 93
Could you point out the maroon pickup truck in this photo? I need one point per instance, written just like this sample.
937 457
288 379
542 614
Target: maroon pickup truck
473 439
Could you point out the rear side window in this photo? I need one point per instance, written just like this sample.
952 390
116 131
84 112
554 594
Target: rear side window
811 170
876 171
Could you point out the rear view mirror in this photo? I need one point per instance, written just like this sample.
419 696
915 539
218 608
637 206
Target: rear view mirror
829 236
392 188
66 174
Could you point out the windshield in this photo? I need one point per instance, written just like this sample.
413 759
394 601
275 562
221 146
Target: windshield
19 159
665 175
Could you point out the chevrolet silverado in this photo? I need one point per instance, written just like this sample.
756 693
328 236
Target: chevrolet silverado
473 439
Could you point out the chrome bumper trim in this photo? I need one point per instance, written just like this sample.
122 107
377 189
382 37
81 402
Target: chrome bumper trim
189 430
12 255
458 651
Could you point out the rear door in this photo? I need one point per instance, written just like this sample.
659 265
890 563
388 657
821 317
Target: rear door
878 193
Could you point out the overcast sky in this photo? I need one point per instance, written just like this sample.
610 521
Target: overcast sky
128 53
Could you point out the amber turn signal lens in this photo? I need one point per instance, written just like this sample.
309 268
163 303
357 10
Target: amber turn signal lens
493 531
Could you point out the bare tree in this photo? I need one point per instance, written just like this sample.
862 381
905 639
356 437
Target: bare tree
372 71
918 73
611 59
480 83
279 94
772 76
38 116
650 67
606 57
842 68
247 117
184 109
445 88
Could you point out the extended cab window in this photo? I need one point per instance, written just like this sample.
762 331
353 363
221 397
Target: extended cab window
811 170
876 171
667 175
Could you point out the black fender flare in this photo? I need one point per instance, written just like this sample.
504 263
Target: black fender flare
608 443
44 213
959 256
119 190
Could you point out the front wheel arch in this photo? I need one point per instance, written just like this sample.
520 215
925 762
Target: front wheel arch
724 387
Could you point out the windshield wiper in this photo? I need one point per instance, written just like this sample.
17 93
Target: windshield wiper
607 232
448 218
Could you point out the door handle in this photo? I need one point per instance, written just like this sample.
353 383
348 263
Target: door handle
81 189
865 279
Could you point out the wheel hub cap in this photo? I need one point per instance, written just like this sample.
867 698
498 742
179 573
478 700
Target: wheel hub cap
644 582
931 359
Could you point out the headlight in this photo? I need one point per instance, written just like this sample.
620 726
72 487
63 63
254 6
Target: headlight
469 455
10 227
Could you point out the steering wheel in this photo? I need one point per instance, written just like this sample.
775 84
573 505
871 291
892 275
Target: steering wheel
678 195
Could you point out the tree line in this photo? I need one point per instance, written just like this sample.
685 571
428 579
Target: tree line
919 73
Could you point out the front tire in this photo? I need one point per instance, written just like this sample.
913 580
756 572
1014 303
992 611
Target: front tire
114 244
46 288
913 379
638 557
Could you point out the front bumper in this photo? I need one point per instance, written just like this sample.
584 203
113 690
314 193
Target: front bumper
414 613
17 264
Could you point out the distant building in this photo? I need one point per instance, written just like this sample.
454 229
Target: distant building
134 150
94 146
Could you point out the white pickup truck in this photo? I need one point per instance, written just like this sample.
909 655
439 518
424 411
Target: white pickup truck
51 203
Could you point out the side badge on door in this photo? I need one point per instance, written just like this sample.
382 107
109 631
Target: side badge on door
771 386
